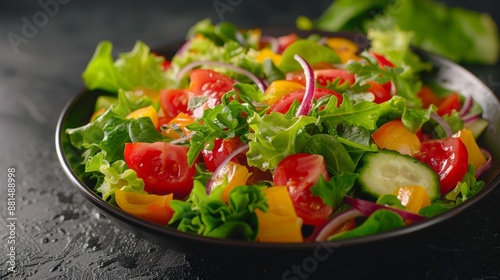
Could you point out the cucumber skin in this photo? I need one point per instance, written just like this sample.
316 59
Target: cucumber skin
363 189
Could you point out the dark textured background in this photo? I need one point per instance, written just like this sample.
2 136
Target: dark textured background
61 236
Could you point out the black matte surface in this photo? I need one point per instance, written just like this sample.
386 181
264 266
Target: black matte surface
61 235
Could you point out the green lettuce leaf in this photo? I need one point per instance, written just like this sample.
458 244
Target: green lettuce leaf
208 215
201 48
143 130
394 44
113 176
337 159
459 34
379 221
363 114
274 138
226 120
135 69
332 192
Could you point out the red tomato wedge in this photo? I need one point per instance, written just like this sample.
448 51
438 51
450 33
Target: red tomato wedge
222 148
284 103
299 172
163 167
380 92
286 40
448 157
210 84
448 104
323 76
173 102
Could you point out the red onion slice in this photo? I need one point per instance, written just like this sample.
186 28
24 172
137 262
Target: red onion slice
336 223
306 104
236 152
469 118
231 67
442 123
367 208
487 165
468 102
183 48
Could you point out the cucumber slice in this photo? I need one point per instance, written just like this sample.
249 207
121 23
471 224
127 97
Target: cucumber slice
384 171
477 126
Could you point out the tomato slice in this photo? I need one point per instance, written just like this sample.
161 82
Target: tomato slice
448 157
382 60
323 76
284 103
286 40
163 167
299 172
173 102
210 84
448 104
222 148
380 92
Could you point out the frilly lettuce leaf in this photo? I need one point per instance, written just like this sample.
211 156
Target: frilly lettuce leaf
135 69
113 176
208 215
394 44
274 138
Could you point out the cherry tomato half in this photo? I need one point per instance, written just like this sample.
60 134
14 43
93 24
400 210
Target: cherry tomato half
299 172
222 148
448 157
208 83
163 167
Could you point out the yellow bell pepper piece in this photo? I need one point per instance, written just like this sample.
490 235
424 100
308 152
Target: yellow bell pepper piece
152 94
280 88
151 207
413 198
476 157
177 124
236 175
280 223
149 112
345 48
266 53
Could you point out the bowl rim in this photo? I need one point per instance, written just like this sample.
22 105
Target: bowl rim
113 212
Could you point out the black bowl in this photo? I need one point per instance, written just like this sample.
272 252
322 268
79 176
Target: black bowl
79 109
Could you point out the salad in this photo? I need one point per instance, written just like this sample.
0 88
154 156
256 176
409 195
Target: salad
277 139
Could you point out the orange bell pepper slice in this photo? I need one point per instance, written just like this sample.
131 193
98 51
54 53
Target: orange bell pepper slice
151 207
393 135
